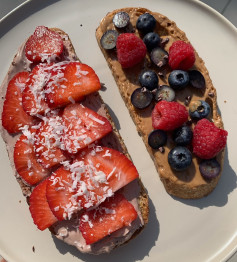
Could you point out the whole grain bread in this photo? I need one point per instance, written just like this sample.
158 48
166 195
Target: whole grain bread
187 184
93 101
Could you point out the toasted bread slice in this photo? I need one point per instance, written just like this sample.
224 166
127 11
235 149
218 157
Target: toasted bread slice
187 184
94 101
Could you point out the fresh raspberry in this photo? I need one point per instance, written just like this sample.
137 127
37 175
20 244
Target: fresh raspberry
131 50
181 55
169 115
208 140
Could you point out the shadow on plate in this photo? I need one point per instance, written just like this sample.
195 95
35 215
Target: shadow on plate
136 249
219 197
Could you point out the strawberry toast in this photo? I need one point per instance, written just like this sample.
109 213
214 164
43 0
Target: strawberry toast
67 154
170 97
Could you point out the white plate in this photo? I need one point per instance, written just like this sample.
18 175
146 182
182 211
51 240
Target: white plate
179 230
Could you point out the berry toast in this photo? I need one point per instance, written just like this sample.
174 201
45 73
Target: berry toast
68 157
170 97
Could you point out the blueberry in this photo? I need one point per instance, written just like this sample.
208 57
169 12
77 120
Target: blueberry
178 79
164 93
157 138
196 79
108 39
180 158
149 79
151 40
209 168
199 109
141 98
121 19
183 135
146 23
159 56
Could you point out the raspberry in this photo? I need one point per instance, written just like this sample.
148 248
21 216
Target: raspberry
208 140
181 55
131 50
169 115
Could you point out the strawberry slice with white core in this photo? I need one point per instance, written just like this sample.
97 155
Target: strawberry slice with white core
13 116
93 176
39 207
43 45
115 213
83 126
26 162
70 83
47 144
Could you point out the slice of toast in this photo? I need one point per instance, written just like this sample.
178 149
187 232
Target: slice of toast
134 192
189 183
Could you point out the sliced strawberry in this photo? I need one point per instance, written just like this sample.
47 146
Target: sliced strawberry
83 127
39 207
26 162
43 45
47 142
93 176
115 213
71 83
33 96
13 116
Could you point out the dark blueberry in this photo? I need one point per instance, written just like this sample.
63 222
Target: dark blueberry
209 168
141 98
178 79
183 135
121 19
199 109
108 39
196 79
151 40
157 138
159 56
165 93
146 23
179 158
149 79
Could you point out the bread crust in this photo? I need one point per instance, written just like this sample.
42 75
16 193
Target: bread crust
188 184
113 138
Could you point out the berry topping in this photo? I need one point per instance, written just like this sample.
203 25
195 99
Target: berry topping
159 56
164 93
196 79
94 175
149 79
26 162
151 40
83 126
69 83
39 207
13 116
141 98
131 50
169 115
33 96
178 79
180 158
199 109
109 39
157 138
115 213
181 55
183 135
43 45
146 23
208 140
209 168
121 19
